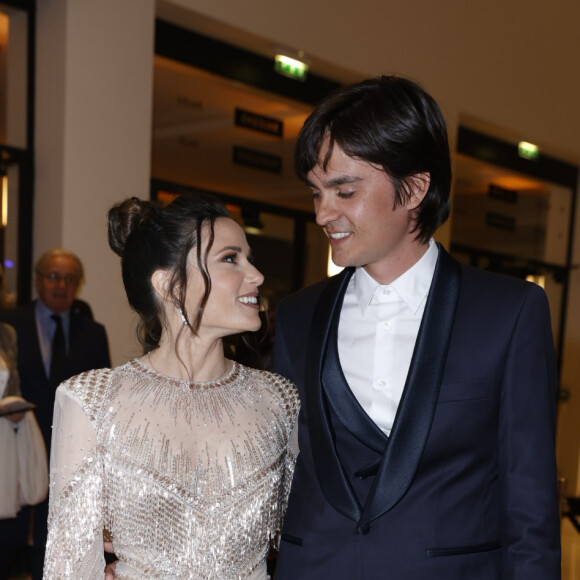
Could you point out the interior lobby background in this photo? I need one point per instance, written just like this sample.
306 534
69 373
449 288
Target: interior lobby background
506 67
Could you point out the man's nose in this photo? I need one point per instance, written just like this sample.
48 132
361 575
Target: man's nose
325 210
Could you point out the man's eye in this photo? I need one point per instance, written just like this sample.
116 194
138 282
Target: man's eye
315 195
345 194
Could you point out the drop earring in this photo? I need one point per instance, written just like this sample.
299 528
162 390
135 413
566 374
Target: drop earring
182 314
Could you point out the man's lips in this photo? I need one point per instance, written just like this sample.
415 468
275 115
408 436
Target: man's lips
334 236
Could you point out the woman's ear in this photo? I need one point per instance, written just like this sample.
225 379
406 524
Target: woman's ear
418 187
160 283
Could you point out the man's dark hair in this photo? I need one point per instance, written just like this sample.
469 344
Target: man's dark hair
390 122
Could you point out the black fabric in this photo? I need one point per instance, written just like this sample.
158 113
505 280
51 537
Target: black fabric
58 353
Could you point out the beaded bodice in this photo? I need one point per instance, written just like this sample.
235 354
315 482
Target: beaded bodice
191 479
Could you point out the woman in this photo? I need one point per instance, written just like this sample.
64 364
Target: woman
24 472
181 454
13 519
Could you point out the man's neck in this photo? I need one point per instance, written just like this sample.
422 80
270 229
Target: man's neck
387 271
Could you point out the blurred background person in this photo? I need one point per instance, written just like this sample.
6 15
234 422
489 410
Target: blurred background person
16 428
55 341
13 526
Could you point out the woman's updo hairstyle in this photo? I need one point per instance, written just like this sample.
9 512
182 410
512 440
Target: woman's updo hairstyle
149 237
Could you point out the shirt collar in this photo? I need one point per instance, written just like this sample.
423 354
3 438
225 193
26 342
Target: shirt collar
44 312
412 286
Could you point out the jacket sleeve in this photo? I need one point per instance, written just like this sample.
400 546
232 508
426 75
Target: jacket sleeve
527 465
76 513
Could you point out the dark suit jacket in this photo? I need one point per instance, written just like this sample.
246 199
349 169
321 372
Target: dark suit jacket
88 349
465 486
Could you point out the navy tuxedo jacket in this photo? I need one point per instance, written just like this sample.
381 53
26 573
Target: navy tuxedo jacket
465 486
88 349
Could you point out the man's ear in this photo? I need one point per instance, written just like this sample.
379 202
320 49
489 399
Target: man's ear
160 283
418 185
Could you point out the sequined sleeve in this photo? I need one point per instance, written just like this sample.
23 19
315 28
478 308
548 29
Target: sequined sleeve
291 404
76 516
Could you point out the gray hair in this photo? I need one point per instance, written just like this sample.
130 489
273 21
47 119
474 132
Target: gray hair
55 252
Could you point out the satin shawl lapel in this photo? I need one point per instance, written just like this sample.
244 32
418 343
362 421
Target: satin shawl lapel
419 400
342 400
331 476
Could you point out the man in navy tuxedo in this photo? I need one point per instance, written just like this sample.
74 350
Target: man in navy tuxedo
428 388
58 276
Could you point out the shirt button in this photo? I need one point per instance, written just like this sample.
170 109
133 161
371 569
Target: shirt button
381 383
386 325
386 291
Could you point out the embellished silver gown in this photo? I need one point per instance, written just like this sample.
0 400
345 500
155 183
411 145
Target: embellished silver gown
191 479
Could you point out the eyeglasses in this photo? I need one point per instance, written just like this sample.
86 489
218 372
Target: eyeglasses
56 278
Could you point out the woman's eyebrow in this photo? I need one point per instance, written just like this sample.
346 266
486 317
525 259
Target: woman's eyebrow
231 248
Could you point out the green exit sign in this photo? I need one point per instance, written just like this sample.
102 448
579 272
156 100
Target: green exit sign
290 67
528 150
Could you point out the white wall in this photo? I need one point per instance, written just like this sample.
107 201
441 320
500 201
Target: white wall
93 131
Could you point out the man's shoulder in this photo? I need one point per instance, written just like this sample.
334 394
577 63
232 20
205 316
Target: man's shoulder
85 322
497 290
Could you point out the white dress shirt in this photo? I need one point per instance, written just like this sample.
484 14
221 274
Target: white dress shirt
377 332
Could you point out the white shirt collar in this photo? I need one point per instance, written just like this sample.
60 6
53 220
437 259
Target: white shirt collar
412 286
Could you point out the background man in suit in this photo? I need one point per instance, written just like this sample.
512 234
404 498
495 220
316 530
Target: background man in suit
428 388
56 340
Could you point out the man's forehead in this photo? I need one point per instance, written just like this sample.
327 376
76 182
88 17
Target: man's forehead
61 263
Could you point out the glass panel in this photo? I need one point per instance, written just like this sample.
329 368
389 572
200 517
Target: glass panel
13 76
500 211
219 135
513 224
9 189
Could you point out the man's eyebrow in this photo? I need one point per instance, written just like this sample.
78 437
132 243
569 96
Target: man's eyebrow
341 180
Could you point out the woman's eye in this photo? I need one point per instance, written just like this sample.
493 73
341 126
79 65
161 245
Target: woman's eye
231 258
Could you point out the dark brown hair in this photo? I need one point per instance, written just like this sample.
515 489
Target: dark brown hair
149 237
390 122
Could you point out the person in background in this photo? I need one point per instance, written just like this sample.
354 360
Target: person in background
19 452
428 388
182 455
13 526
54 343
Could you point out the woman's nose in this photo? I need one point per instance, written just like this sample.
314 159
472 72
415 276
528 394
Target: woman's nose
256 277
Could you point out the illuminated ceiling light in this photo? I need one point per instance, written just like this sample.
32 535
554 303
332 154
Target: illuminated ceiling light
528 150
4 203
290 67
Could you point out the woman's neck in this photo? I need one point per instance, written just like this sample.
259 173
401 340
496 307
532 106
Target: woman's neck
194 359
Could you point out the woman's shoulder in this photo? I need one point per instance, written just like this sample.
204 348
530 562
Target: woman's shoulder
89 388
282 387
